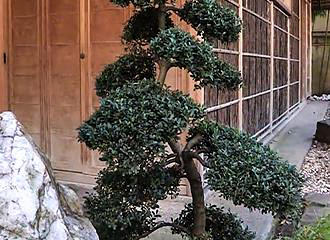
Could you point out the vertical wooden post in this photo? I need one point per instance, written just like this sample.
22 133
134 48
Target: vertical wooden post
289 66
306 44
310 47
271 108
301 86
306 38
43 73
4 56
240 68
84 81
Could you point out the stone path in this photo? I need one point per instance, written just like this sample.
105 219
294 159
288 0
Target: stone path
318 206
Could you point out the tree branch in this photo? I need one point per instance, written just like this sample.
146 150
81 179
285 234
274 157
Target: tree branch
164 224
163 69
199 158
172 8
162 16
170 156
193 142
175 146
173 160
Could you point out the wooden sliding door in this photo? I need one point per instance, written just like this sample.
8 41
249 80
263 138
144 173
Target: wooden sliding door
57 48
63 83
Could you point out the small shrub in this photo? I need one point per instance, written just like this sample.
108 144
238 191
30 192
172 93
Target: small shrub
317 231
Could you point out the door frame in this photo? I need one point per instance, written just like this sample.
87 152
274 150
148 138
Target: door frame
4 103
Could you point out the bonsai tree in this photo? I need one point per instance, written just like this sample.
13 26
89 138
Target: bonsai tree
152 137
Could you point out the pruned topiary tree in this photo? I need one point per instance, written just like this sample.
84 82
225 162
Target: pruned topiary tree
139 125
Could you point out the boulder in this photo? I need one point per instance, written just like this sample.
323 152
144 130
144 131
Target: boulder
32 204
323 131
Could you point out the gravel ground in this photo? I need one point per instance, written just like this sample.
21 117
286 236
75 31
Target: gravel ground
316 167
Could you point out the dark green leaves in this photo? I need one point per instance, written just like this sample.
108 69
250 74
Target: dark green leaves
248 172
211 20
219 224
125 206
116 218
183 51
143 26
129 68
133 124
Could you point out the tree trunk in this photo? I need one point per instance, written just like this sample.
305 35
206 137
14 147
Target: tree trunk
197 193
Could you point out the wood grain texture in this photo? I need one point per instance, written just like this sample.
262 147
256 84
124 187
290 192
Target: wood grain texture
3 50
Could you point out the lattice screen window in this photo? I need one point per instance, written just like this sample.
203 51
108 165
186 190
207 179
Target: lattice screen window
267 54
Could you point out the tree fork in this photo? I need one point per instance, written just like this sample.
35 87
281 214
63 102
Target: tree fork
197 193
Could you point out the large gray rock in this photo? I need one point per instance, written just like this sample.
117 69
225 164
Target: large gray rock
32 205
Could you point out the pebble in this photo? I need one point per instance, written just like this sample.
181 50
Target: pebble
324 97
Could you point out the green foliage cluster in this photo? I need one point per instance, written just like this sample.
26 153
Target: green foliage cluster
132 125
248 172
219 223
181 50
143 26
210 20
129 68
125 206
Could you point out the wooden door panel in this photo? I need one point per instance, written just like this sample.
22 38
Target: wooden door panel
29 115
64 119
60 32
106 25
25 61
27 90
64 83
64 61
100 5
24 81
66 153
24 27
103 54
24 8
63 6
69 94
